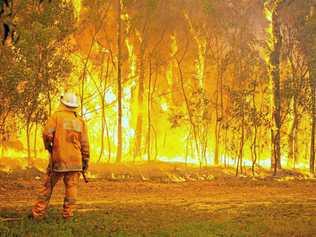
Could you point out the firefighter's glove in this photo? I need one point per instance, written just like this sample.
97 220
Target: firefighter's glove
50 149
85 165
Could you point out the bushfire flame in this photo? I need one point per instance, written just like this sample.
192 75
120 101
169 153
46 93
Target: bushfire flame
165 133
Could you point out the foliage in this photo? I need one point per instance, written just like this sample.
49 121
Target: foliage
36 65
45 64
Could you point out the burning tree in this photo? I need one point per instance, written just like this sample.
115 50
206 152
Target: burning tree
160 82
308 37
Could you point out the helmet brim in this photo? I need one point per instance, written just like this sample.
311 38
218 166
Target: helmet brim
70 105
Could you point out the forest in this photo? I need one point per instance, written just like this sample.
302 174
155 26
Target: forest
226 83
207 86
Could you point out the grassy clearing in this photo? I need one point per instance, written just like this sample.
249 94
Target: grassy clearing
126 205
151 220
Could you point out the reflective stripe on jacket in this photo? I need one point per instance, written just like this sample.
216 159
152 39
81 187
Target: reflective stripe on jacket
68 135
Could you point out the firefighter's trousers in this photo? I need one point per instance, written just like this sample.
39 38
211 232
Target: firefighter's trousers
71 180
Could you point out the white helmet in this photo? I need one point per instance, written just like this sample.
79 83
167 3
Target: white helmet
70 100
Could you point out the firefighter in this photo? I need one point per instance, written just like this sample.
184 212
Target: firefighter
65 137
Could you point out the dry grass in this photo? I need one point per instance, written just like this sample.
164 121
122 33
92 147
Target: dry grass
165 200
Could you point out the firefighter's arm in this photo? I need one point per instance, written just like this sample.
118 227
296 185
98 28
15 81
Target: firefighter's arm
48 133
85 150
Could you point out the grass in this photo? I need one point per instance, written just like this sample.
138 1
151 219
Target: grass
259 220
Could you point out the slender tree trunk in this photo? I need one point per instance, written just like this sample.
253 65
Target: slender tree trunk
35 140
140 101
292 138
225 148
102 101
205 143
254 142
189 113
154 132
100 26
104 123
312 79
254 150
187 149
217 123
241 147
219 114
28 143
1 142
119 84
275 77
260 148
217 137
149 112
83 79
108 139
156 143
102 128
2 131
313 122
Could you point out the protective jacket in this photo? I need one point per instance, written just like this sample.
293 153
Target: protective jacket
65 134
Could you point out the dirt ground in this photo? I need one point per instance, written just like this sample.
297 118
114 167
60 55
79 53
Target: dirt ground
266 207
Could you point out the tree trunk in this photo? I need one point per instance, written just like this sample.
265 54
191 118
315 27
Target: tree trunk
217 137
292 138
35 140
241 147
140 101
312 79
225 148
205 143
187 149
189 113
101 91
119 84
156 142
149 112
108 139
254 150
313 122
28 143
102 128
275 77
105 124
88 56
260 148
254 142
219 113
